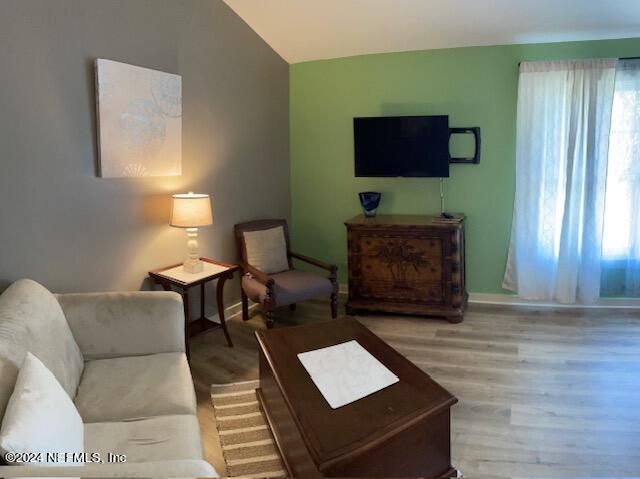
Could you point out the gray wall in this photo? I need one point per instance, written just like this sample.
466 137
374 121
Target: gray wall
72 231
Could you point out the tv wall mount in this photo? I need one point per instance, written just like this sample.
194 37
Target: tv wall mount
475 131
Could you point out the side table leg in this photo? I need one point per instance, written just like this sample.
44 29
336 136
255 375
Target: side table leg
185 300
185 303
202 316
220 301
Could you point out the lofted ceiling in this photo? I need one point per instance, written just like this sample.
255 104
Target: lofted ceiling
303 30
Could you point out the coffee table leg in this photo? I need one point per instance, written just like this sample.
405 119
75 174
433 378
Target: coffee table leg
220 301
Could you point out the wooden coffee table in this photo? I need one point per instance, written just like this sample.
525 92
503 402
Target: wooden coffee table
402 430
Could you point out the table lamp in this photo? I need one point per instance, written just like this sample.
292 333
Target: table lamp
191 211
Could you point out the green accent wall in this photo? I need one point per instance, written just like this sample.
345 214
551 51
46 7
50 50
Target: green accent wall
475 86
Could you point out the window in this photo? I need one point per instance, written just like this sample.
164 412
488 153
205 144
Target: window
620 262
623 171
576 224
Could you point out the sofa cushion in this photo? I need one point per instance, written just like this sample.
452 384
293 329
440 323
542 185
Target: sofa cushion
267 249
31 320
290 287
118 324
158 438
40 417
136 387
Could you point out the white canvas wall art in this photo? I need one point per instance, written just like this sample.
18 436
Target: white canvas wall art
139 121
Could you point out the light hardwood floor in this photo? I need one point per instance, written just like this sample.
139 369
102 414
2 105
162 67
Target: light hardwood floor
545 393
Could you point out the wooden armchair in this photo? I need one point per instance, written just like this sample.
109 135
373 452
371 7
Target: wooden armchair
268 276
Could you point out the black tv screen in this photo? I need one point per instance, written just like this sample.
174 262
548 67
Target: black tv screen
411 146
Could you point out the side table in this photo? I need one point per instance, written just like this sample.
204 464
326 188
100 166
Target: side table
175 278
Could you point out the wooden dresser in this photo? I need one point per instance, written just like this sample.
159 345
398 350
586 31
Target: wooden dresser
407 264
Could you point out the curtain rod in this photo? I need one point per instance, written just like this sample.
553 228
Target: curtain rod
621 58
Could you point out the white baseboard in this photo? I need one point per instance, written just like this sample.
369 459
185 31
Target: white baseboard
513 300
231 311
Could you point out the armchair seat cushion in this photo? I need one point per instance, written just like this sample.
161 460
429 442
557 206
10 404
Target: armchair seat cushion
162 438
290 287
135 387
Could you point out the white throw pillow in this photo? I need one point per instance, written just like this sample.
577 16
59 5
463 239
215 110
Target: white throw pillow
267 250
41 419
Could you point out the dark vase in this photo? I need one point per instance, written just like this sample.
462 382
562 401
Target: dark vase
369 201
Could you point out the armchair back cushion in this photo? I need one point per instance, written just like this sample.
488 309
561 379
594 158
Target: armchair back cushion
31 319
267 249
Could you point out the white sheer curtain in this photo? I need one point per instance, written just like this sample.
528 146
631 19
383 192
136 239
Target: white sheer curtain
564 116
621 243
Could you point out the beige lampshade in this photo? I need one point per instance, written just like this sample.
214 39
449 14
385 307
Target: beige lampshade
191 210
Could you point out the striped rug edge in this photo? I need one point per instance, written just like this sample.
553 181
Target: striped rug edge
248 448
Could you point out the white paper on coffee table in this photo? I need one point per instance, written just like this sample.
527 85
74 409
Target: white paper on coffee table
346 372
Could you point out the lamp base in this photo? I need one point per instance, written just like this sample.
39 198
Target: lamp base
193 266
193 263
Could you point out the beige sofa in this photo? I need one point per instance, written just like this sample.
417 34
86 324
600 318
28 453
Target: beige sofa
121 358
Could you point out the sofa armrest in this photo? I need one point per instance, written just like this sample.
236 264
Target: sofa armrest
108 325
174 468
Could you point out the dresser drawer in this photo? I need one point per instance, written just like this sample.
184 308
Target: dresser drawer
399 269
395 246
393 291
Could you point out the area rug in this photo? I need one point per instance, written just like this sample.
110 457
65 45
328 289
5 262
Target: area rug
247 443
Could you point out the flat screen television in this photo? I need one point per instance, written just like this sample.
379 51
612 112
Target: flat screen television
402 146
